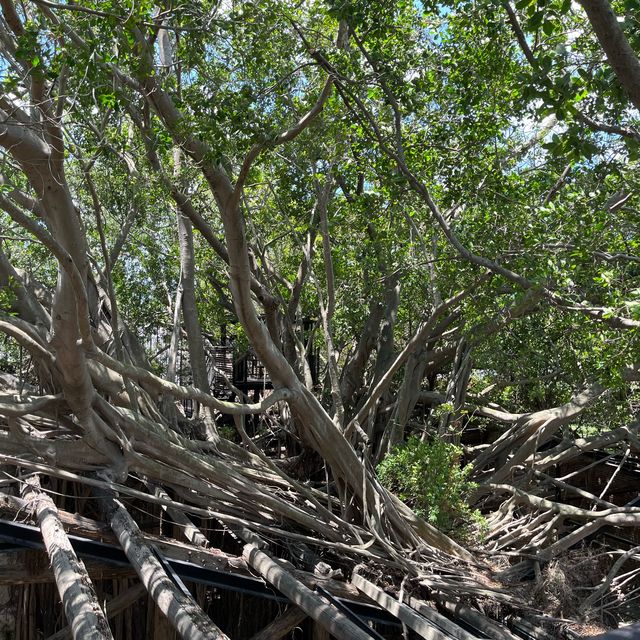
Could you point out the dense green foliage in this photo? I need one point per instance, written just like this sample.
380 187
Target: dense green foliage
507 117
428 476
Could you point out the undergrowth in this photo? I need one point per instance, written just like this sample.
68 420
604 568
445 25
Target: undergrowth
429 478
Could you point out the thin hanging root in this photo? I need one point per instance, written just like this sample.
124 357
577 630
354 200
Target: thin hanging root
613 572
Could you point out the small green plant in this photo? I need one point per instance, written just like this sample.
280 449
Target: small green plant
428 477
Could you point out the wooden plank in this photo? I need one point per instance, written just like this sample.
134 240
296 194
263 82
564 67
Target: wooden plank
423 627
281 625
316 607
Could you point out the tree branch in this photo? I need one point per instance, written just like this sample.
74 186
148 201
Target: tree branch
621 56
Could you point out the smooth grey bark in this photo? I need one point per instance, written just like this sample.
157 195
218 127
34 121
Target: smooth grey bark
293 346
25 303
406 400
456 388
183 612
191 320
352 378
187 273
325 614
313 423
386 342
168 407
190 306
423 627
327 310
82 610
35 142
530 432
622 58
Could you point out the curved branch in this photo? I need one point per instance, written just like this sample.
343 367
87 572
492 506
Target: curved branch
285 136
619 516
66 262
421 335
164 386
34 347
19 409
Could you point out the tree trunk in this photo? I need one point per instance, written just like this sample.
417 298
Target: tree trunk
81 607
185 615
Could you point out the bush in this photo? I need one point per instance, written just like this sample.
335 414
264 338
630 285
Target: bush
428 477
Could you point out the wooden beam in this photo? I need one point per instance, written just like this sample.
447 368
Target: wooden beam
210 558
282 625
79 599
325 614
20 572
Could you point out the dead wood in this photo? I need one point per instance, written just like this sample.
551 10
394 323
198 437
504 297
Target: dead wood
282 625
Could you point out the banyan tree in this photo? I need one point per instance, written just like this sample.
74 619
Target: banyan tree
318 319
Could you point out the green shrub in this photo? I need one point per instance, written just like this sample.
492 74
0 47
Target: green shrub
428 477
